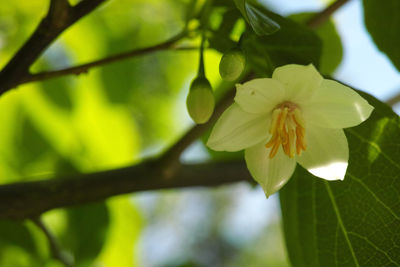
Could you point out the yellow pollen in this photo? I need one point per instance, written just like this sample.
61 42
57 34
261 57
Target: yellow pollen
287 130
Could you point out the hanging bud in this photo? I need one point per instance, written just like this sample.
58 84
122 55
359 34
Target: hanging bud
232 65
200 101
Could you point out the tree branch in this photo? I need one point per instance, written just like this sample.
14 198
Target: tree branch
30 199
321 17
85 67
170 158
393 100
58 10
55 248
59 17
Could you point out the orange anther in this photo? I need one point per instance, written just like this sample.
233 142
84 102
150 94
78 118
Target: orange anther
274 150
287 129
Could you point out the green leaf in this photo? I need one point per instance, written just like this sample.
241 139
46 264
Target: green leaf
31 147
19 247
332 50
87 231
293 43
257 16
355 222
383 23
15 234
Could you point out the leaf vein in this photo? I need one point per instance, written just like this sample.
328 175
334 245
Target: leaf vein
336 242
341 224
373 245
314 217
374 145
375 196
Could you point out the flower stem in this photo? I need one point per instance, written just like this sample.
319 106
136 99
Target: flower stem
325 14
201 72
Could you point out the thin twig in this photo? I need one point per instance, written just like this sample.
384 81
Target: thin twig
59 17
83 68
321 17
314 22
55 248
23 200
393 100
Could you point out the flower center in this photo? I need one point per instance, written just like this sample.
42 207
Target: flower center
287 129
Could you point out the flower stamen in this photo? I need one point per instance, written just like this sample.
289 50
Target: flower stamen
287 129
275 118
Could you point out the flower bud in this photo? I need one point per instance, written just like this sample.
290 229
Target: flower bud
200 101
232 65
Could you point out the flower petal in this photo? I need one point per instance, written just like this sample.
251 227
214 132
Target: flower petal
335 105
259 95
271 174
237 129
327 153
300 81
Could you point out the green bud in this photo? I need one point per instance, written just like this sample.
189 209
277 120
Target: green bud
200 101
232 65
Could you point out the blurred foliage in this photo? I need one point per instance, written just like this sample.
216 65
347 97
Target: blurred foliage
382 22
97 121
207 228
114 115
332 51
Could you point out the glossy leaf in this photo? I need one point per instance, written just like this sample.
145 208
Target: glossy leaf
383 23
355 222
257 17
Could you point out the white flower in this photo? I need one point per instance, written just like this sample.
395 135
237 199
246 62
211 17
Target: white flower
297 116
